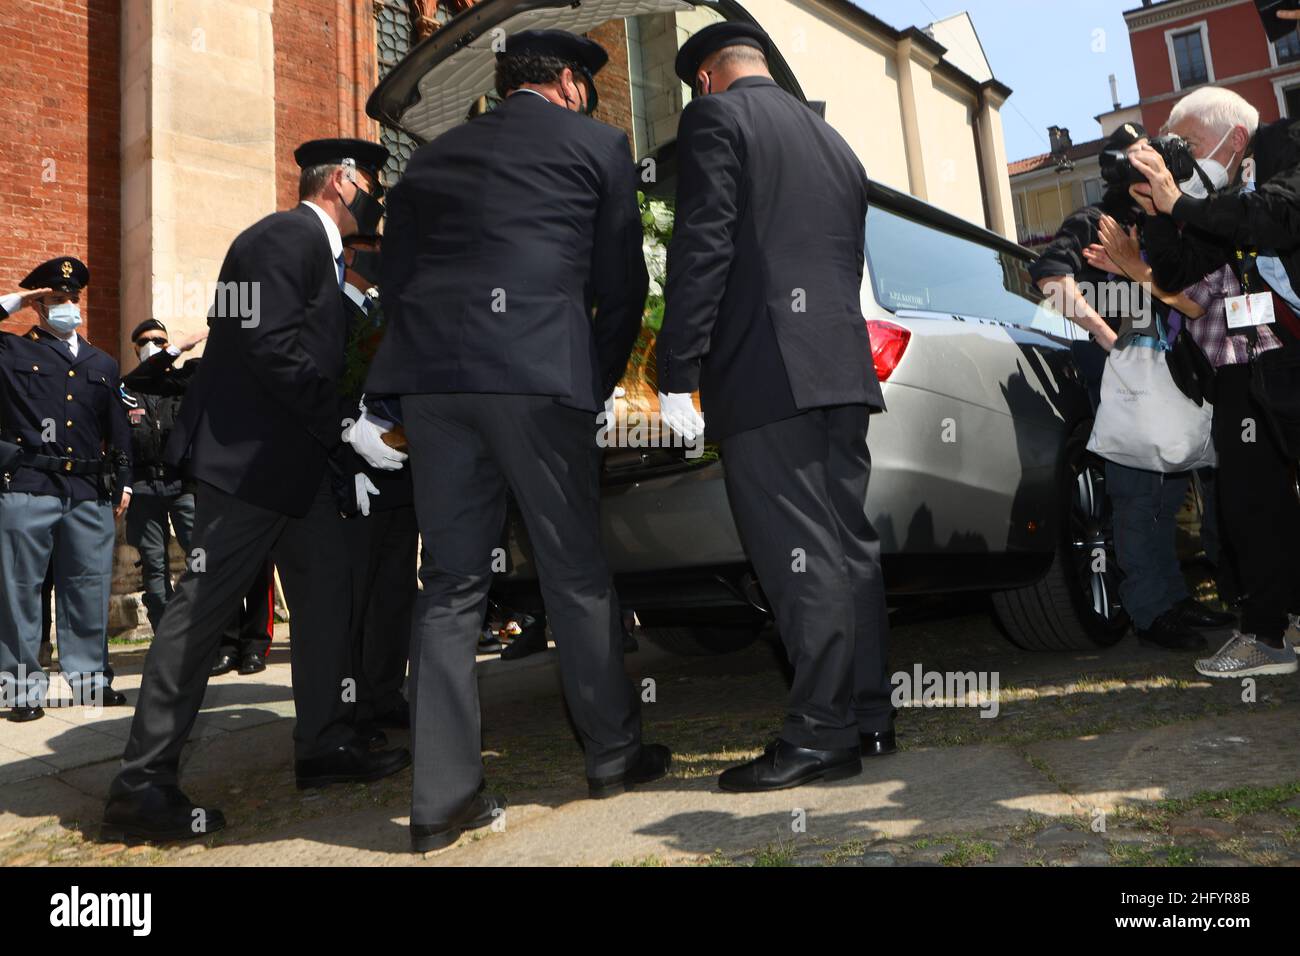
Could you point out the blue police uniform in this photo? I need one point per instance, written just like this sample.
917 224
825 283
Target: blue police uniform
61 419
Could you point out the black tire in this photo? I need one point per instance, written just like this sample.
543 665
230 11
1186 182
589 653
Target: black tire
702 641
1074 607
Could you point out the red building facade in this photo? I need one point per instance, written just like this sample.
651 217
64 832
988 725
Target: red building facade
1179 45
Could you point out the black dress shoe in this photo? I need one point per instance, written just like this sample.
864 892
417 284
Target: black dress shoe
21 715
1195 614
157 814
397 717
111 698
784 765
251 664
651 763
531 640
226 662
350 763
1169 633
481 810
878 743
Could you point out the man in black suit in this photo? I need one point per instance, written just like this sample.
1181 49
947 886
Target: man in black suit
763 315
382 548
513 285
261 428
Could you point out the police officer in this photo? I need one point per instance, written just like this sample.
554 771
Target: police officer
65 464
152 393
510 321
763 315
260 424
383 546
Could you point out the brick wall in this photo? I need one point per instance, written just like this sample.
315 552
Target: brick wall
59 170
324 70
612 81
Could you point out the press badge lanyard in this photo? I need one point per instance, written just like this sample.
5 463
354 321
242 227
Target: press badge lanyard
1248 311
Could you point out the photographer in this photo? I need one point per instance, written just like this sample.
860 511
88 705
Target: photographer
1240 209
1145 503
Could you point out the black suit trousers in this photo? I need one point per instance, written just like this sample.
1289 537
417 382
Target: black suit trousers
798 489
466 450
232 540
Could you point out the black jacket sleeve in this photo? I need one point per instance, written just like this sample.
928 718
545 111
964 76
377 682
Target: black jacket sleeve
117 432
270 347
1268 217
710 153
619 276
156 376
1180 257
1064 254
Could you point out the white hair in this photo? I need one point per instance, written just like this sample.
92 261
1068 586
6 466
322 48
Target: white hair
1219 109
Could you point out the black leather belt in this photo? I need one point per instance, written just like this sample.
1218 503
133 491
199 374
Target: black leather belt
63 466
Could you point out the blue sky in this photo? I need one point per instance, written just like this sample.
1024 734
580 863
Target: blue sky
1055 54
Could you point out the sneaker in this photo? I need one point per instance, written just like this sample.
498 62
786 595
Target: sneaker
1243 656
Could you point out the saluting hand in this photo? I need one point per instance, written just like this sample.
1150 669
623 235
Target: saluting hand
187 342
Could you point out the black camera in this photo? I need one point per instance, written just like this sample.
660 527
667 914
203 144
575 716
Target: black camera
1275 26
1174 150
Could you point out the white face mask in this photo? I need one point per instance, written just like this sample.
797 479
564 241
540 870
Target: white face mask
148 350
1214 170
64 317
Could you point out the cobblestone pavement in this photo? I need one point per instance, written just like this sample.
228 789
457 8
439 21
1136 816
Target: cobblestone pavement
1118 757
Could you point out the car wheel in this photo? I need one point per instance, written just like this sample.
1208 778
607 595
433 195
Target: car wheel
1075 606
702 641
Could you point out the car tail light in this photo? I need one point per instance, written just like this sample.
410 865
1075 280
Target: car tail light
888 343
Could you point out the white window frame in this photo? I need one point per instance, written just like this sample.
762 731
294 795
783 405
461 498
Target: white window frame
1272 56
1280 87
1204 27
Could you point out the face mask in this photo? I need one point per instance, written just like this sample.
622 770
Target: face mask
366 210
366 263
148 350
1212 175
64 317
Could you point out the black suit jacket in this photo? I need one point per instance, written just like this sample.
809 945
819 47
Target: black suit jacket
763 310
504 238
262 413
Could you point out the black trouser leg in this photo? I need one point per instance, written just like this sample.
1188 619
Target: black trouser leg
1259 513
310 555
790 494
231 540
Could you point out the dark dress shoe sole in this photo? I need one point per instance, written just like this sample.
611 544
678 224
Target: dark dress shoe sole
135 835
877 747
370 776
602 788
25 717
834 772
441 839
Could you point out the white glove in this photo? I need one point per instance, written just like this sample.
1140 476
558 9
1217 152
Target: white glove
365 488
678 412
365 435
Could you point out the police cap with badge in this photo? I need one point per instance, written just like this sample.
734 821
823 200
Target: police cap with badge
62 274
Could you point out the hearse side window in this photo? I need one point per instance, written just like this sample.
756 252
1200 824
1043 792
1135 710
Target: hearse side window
916 266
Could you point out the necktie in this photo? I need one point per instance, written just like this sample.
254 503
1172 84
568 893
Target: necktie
342 269
71 351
